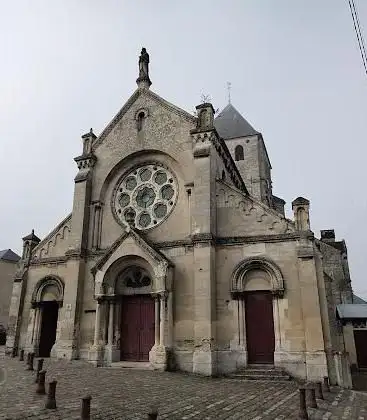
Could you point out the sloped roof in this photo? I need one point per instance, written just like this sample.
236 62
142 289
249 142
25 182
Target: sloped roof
352 311
358 300
231 124
9 255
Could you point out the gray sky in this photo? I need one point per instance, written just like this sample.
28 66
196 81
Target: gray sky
295 70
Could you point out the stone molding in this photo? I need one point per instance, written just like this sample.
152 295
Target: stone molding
51 280
237 285
219 241
201 150
62 224
149 248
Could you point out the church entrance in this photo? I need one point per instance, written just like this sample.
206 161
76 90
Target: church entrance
137 327
50 312
360 339
259 327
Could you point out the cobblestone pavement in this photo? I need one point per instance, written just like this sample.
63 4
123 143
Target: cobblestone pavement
129 394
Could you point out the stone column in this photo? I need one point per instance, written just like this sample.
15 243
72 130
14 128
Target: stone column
162 326
169 320
35 326
156 320
158 354
276 323
97 325
110 323
241 321
97 349
37 330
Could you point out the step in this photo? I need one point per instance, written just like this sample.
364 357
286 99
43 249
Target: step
253 377
262 372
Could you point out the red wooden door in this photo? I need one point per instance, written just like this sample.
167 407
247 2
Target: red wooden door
259 327
360 340
137 327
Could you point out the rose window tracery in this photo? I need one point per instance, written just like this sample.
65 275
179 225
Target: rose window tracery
145 196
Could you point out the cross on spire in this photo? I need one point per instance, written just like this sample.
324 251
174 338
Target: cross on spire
229 86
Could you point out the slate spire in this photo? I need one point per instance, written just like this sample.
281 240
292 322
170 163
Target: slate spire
231 124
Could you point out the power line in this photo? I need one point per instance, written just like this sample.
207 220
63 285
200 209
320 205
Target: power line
357 29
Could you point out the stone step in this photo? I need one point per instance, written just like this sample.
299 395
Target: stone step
269 372
262 372
260 377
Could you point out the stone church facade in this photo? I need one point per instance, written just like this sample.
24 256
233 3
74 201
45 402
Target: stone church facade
177 253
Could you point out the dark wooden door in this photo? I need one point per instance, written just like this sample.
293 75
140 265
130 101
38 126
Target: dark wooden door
137 327
360 340
50 311
259 327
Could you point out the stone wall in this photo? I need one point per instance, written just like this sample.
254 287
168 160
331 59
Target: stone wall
7 271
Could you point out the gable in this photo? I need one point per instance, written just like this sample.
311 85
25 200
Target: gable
128 244
166 129
245 216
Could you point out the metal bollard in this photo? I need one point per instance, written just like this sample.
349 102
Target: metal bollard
302 414
30 362
311 397
21 355
85 415
326 384
39 368
319 393
41 383
51 396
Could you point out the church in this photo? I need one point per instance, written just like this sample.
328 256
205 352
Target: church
178 255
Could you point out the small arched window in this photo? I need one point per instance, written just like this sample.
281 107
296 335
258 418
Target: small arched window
140 121
238 153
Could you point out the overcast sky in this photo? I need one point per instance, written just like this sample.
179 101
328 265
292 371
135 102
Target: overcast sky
296 76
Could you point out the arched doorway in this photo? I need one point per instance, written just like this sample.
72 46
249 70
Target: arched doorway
257 284
137 314
47 299
50 312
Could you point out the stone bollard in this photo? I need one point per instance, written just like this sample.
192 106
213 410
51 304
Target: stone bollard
326 384
311 397
85 415
302 414
51 396
30 361
39 368
21 355
41 383
153 415
319 393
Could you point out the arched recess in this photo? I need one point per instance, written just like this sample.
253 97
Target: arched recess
256 286
49 289
128 275
241 275
137 158
47 298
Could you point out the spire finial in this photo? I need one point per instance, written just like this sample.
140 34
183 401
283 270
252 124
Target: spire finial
229 86
143 80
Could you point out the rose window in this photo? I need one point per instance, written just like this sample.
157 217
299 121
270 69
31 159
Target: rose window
145 196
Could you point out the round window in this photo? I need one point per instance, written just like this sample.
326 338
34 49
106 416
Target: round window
145 196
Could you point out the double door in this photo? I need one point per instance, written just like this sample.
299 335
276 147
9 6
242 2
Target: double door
137 327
